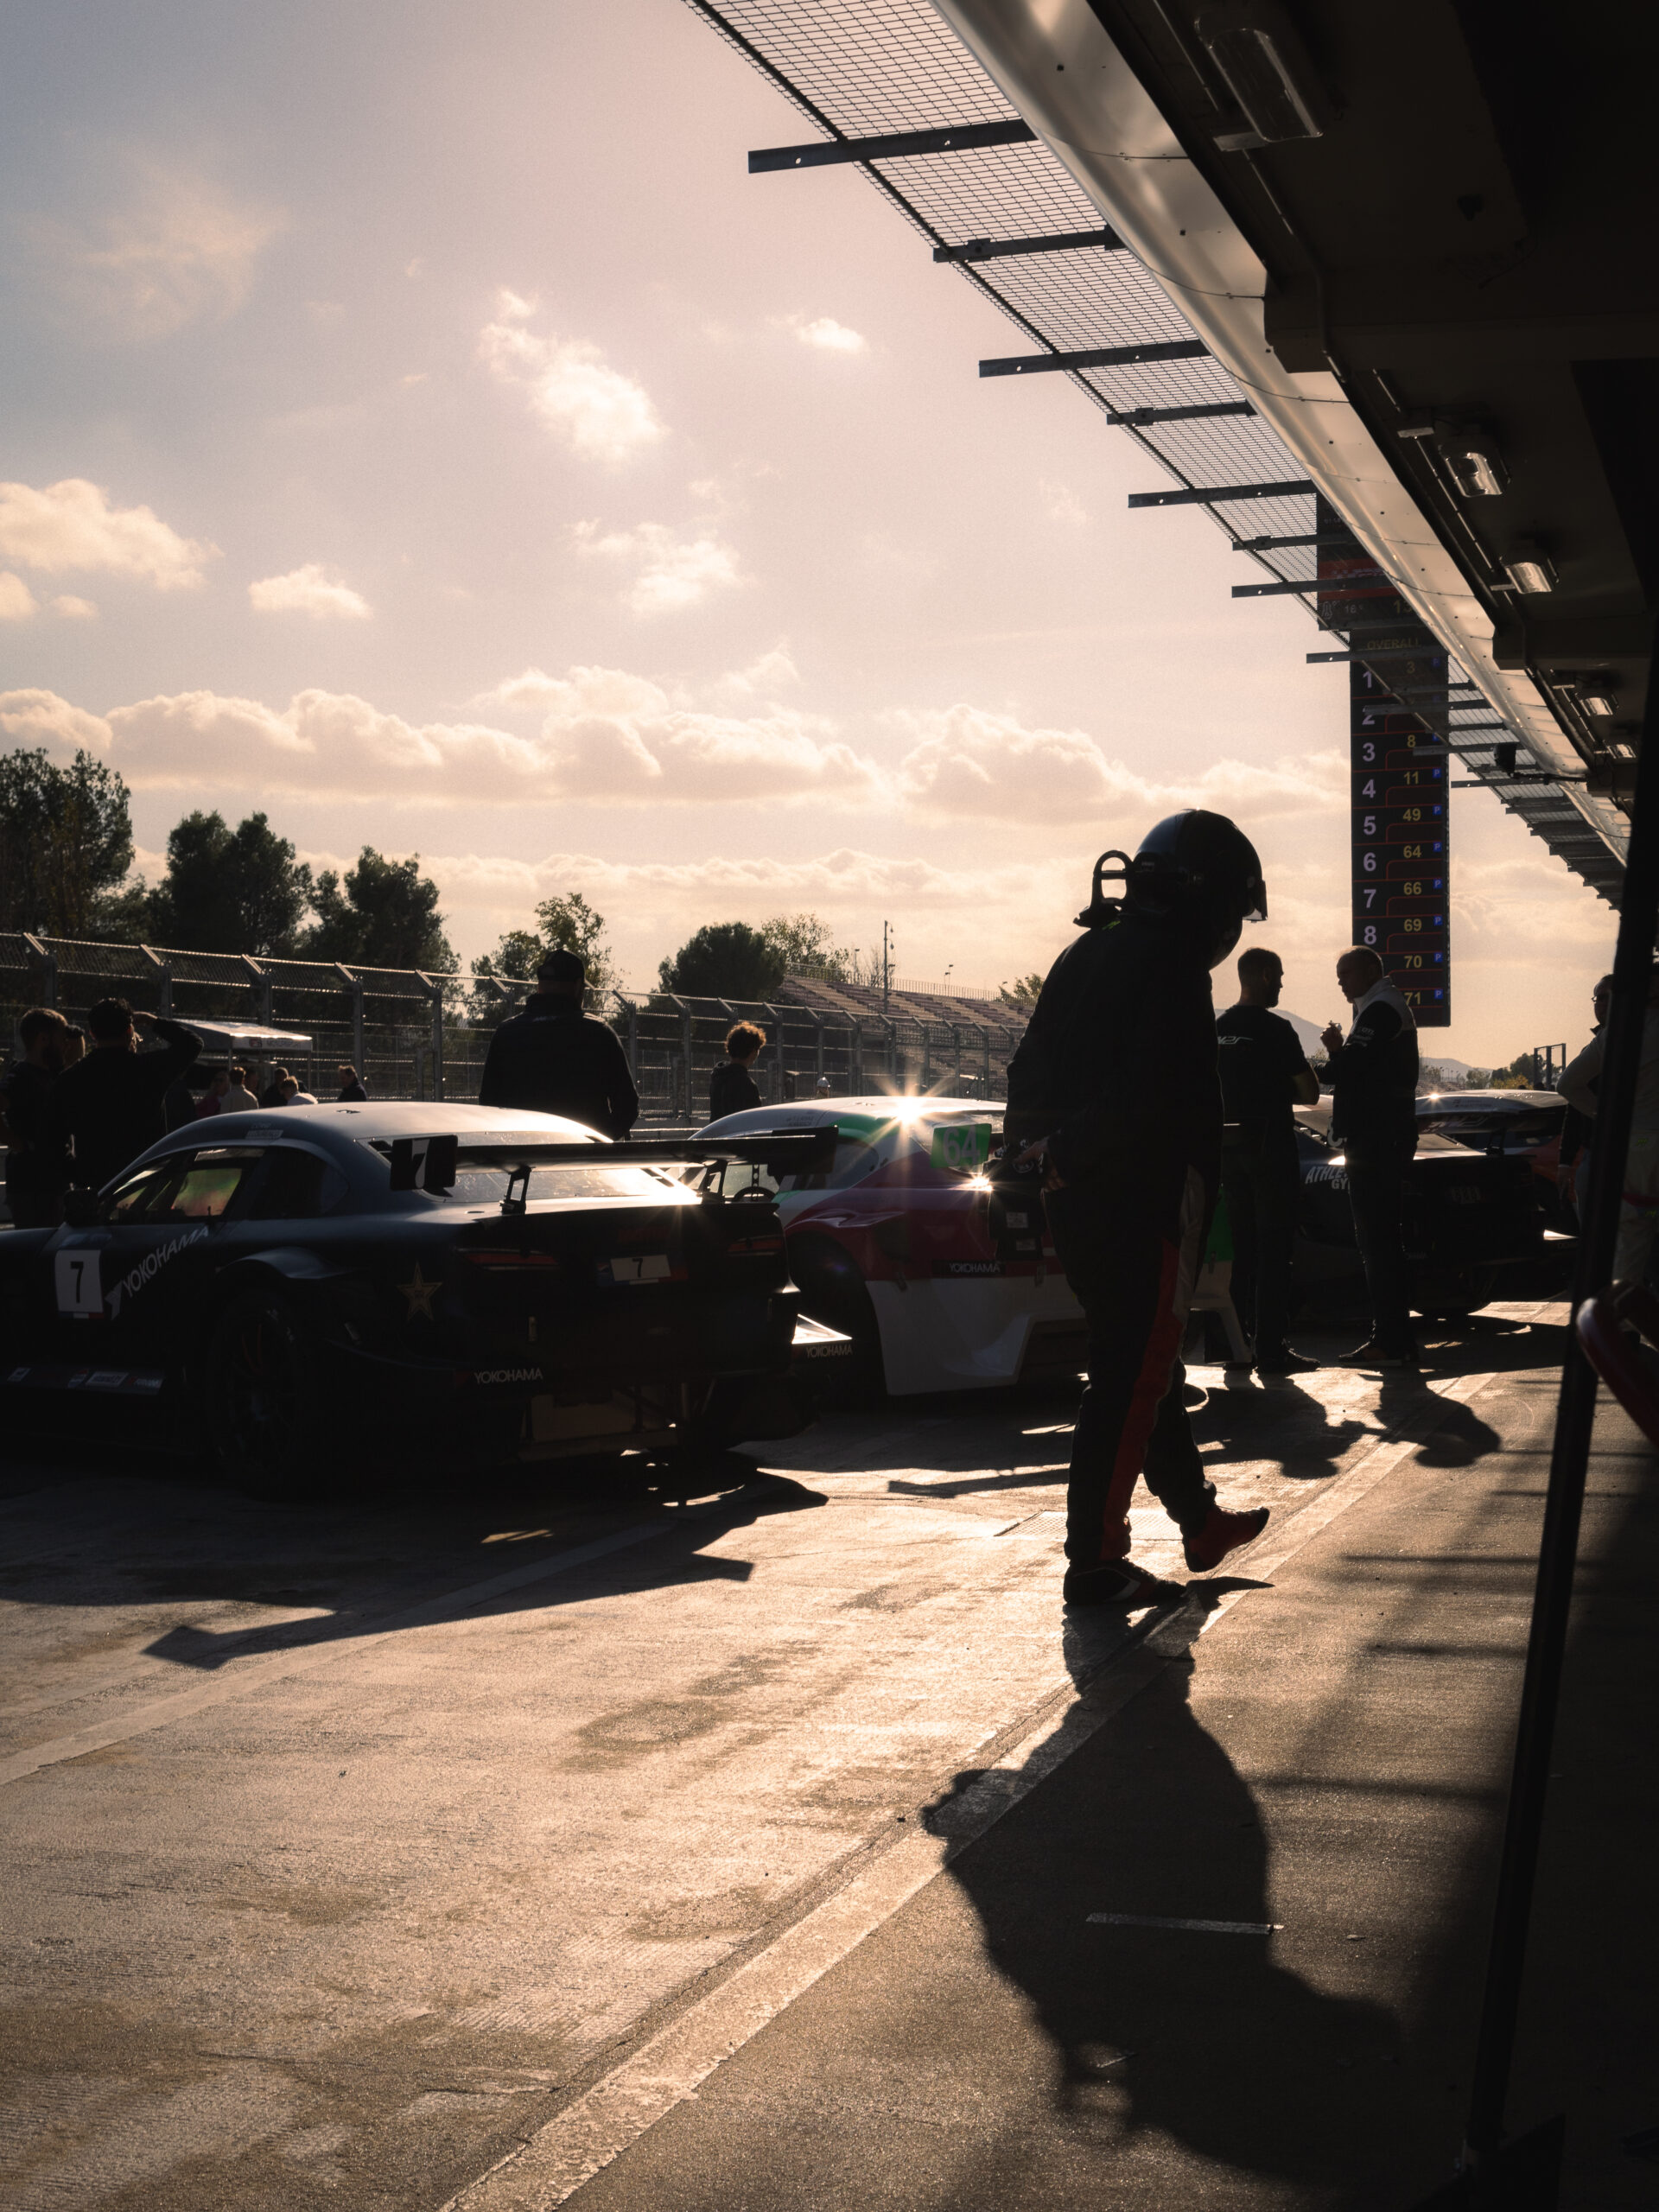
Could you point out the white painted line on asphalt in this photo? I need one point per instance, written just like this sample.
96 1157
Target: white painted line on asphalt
1199 1927
553 2164
225 1689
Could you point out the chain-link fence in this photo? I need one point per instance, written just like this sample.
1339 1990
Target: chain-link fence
413 1035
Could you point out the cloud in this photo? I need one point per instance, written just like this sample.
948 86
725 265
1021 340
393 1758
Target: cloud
606 737
72 609
16 601
71 525
763 679
601 414
1062 505
969 764
829 335
310 590
181 247
671 573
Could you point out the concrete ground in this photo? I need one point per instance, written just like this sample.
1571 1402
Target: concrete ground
750 1851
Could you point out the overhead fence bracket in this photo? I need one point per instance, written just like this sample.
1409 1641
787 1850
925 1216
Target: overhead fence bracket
893 146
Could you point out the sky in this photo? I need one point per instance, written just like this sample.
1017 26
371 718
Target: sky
420 427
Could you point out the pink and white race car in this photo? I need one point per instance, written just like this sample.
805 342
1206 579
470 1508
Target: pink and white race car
944 1278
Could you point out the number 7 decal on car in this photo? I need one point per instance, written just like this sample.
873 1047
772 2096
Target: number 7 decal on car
80 1283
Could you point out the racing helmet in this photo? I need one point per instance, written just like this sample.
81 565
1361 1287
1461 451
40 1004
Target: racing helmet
1195 873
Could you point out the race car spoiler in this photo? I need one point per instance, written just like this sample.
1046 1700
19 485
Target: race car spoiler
433 1163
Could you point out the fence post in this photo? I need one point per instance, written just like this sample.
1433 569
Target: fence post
164 980
354 989
46 963
434 992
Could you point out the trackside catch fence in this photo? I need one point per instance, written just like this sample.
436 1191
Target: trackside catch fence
415 1035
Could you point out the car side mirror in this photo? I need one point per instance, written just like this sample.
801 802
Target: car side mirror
82 1209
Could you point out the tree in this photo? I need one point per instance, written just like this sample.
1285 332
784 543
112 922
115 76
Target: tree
1021 993
806 945
567 922
227 890
383 914
724 960
65 841
1522 1074
1477 1079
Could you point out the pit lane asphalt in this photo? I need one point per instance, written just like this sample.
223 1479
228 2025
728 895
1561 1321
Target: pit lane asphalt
417 1850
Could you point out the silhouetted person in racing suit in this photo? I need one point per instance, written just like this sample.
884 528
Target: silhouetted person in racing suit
1114 1086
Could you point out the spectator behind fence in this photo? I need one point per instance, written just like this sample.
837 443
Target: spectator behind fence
732 1086
36 1171
273 1094
293 1096
109 1108
213 1099
238 1099
553 1059
73 1047
351 1092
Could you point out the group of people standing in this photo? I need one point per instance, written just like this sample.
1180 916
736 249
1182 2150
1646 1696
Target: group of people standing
73 1114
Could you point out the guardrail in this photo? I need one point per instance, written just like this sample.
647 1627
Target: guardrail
412 1034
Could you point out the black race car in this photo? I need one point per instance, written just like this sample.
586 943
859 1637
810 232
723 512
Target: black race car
296 1290
1470 1219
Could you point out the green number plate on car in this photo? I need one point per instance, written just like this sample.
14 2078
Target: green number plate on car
964 1146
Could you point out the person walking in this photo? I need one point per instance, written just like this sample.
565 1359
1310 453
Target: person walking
1373 1120
553 1059
1114 1090
35 1170
1264 1073
109 1108
732 1086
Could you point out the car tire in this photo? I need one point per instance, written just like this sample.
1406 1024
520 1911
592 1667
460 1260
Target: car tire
267 1425
1456 1294
833 1291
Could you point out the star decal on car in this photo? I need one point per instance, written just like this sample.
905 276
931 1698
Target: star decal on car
420 1294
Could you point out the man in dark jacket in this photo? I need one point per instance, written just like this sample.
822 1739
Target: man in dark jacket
732 1086
109 1107
35 1170
1264 1073
1373 1120
553 1059
1114 1089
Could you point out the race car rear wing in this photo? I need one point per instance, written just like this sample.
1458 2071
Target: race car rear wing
433 1163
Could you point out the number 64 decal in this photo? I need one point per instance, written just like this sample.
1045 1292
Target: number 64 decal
80 1283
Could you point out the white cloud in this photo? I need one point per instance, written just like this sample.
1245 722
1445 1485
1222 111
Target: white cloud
829 335
970 764
16 601
1062 505
671 573
606 737
601 413
764 679
71 525
310 590
72 609
181 247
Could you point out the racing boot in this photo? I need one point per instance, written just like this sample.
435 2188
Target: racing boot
1118 1582
1220 1533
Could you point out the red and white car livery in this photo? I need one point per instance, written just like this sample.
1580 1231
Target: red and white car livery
947 1279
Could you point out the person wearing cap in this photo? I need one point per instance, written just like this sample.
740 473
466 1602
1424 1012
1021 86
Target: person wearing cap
554 1059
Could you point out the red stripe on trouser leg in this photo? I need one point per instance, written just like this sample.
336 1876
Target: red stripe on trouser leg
1163 1342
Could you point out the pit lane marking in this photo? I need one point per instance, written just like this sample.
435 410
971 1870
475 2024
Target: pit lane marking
254 1676
551 2165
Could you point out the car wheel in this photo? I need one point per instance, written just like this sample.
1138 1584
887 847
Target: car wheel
834 1291
1455 1295
265 1398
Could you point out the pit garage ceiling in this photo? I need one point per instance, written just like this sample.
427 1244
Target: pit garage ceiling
1416 239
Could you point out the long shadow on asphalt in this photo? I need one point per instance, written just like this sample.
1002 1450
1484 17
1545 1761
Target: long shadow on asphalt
1196 2033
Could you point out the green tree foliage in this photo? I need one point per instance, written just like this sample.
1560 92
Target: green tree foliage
1523 1073
1021 993
227 890
65 843
806 945
383 914
568 922
725 960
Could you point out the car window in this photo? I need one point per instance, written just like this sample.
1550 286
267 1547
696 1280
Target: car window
188 1186
296 1185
